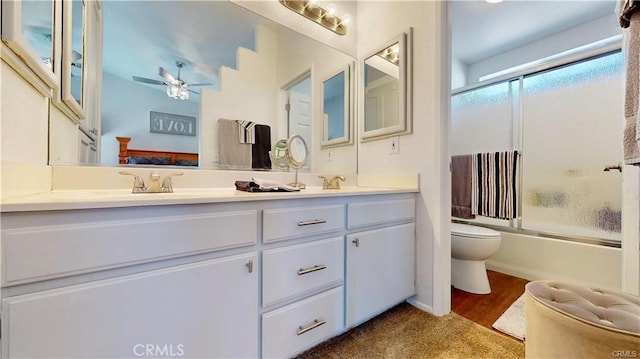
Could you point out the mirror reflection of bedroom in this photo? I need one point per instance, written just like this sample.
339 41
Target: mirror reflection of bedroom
204 94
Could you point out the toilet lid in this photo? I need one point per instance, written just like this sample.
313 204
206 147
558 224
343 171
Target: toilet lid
465 230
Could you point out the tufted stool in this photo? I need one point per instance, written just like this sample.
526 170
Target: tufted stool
566 320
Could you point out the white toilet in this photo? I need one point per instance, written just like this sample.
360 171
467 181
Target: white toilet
470 247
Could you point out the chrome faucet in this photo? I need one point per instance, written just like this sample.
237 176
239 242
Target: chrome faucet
333 183
154 183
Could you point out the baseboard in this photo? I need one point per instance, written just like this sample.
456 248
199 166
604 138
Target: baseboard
424 307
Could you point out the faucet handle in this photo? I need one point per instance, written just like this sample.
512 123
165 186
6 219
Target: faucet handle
335 182
325 182
138 182
167 186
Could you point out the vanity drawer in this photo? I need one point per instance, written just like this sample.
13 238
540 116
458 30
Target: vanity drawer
287 223
292 329
50 251
296 269
380 212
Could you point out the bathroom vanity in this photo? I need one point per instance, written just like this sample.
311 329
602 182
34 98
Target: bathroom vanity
217 273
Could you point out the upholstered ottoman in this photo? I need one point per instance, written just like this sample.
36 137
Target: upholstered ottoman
566 320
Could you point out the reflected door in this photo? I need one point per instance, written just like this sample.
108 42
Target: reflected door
300 117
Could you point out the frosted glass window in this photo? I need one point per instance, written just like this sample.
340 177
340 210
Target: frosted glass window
572 123
481 120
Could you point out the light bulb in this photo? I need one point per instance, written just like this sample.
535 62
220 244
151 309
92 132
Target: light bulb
311 4
346 19
331 9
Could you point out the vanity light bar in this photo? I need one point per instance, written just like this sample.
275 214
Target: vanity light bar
317 14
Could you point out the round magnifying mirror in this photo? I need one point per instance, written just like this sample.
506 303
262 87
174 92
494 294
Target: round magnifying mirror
297 150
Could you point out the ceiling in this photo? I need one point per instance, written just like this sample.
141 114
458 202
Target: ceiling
481 30
141 36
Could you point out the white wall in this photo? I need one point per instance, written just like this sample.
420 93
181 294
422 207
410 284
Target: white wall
584 34
425 150
25 120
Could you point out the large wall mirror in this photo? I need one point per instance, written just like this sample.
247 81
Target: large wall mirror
387 89
337 108
223 62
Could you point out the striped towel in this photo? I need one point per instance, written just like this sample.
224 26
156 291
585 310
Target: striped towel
494 184
246 133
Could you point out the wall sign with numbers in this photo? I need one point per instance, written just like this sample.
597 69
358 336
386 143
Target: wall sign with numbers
160 122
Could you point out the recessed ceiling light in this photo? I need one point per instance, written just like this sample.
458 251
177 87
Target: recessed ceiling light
493 1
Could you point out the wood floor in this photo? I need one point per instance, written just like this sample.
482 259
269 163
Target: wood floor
485 309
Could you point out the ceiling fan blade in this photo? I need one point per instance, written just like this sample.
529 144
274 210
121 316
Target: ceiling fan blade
75 55
202 84
195 92
148 81
166 75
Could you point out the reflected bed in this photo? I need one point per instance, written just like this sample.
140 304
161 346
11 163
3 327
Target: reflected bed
127 155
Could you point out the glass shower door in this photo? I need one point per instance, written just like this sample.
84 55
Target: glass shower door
571 126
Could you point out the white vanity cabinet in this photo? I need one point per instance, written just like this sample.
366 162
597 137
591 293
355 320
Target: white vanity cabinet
306 274
381 261
244 279
206 309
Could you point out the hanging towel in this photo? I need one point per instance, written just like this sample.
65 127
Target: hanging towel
494 184
260 149
628 8
631 135
461 186
246 132
231 153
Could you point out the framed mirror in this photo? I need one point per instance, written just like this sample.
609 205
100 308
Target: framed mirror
73 45
337 108
387 88
28 29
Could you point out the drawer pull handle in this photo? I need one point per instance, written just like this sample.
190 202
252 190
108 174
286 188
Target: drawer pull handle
250 266
315 268
356 242
308 223
316 323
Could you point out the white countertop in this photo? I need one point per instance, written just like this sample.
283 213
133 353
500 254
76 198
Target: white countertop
111 198
49 188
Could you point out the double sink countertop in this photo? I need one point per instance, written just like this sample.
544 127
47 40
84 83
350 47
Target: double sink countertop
103 187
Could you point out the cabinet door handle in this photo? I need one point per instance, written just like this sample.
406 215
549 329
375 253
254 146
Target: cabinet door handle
356 242
315 268
316 323
314 221
250 266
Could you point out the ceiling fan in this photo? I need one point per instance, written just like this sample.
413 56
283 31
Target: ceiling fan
176 87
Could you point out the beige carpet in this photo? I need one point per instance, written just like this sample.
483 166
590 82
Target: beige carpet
407 332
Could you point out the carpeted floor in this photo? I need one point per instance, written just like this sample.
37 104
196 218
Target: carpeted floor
407 332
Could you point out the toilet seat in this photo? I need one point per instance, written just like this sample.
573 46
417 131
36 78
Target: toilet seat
468 231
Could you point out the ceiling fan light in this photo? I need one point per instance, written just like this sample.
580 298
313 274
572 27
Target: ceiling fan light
177 92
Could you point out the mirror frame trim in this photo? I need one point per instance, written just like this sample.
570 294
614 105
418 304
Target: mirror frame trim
349 82
77 110
405 125
13 39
